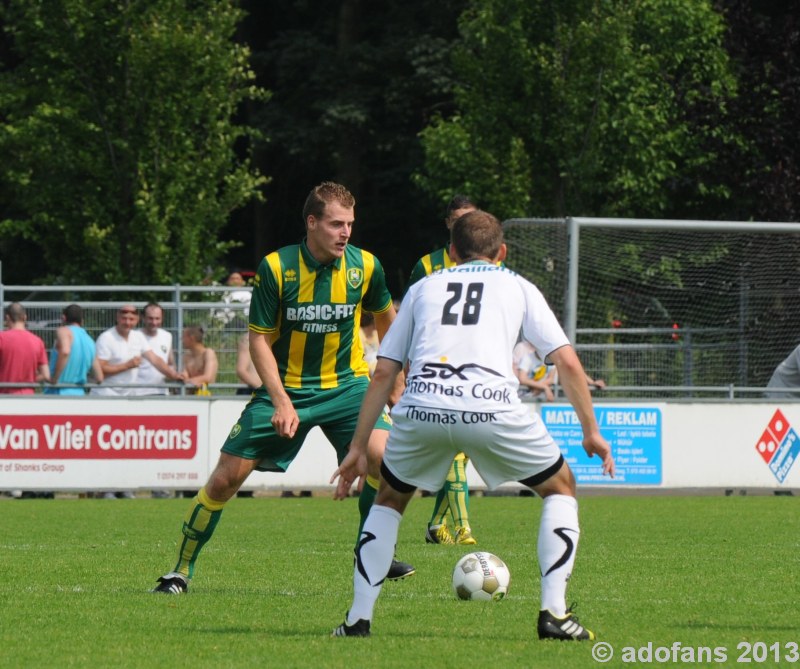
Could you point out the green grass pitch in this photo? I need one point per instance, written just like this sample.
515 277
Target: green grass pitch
276 578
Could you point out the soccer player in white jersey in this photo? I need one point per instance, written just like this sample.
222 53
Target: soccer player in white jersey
457 328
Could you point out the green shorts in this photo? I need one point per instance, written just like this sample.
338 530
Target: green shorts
335 411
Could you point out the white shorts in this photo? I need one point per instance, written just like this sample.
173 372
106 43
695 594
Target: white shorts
504 446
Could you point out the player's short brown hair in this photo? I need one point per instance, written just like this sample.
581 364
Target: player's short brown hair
326 192
476 234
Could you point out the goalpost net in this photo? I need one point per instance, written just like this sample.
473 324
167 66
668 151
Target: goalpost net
663 308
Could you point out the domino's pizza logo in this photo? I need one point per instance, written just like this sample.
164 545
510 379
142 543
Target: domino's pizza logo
779 446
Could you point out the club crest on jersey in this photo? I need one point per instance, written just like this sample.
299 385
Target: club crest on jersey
355 276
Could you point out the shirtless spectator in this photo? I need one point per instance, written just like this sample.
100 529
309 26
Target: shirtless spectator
199 361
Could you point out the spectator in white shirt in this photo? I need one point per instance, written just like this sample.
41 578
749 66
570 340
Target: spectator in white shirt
121 350
160 342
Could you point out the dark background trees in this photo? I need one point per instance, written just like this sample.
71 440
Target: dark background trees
763 40
352 84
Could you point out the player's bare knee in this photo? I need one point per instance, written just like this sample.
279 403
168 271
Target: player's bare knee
561 482
394 499
227 477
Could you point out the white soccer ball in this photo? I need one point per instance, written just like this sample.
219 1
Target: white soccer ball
481 576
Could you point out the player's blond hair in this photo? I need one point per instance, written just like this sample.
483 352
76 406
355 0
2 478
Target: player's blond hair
326 192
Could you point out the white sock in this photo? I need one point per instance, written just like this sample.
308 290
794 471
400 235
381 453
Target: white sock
558 541
374 556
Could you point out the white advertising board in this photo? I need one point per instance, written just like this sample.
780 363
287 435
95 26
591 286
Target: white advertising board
102 444
82 444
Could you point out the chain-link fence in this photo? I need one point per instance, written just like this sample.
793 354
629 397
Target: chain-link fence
222 312
668 308
655 308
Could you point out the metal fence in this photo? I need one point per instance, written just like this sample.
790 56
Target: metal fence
673 309
222 311
718 314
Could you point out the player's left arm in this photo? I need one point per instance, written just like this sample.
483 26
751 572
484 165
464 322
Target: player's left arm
382 323
354 463
573 381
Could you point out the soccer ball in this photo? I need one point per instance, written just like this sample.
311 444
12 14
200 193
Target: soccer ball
481 576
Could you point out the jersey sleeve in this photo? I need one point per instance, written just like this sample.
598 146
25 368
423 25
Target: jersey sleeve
417 273
377 297
397 341
540 326
265 302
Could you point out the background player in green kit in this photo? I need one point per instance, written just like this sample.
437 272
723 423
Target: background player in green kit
453 498
304 315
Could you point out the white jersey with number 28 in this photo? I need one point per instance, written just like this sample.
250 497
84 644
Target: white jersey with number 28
457 329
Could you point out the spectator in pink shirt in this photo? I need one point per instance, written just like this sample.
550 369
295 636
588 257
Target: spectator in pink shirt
23 358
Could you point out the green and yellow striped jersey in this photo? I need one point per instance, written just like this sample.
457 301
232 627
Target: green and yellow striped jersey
429 264
315 310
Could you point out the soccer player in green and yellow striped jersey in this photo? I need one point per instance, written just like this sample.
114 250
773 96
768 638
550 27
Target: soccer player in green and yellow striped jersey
304 344
428 264
453 498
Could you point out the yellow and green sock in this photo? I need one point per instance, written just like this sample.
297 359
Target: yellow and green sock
198 526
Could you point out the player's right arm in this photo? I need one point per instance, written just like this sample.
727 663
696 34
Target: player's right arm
263 332
285 418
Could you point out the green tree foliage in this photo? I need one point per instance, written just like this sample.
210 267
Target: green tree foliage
590 108
117 136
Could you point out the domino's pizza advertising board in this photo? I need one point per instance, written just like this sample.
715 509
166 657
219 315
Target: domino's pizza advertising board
635 435
779 446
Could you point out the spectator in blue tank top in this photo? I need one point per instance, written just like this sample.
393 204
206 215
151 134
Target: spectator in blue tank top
72 358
